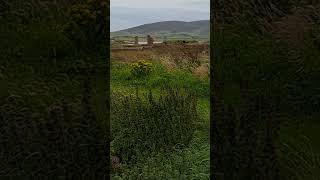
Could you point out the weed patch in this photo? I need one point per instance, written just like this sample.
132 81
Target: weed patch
146 123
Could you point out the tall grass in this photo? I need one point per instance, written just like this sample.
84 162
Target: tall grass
50 124
143 125
260 82
190 162
299 159
159 77
43 125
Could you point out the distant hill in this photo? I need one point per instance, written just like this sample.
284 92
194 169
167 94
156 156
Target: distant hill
169 28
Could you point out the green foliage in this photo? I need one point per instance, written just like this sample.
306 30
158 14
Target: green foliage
259 86
159 77
89 19
146 124
46 97
181 163
299 157
46 43
44 121
140 68
35 41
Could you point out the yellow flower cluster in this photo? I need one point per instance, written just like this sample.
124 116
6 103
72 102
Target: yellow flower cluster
141 68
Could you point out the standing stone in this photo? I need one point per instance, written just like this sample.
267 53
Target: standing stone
150 40
136 40
164 38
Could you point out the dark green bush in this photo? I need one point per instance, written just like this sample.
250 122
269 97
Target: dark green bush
260 86
44 124
144 124
36 41
90 19
48 43
50 126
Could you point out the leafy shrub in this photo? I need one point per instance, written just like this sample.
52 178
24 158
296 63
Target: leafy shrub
36 41
48 43
141 125
251 63
90 20
141 68
43 122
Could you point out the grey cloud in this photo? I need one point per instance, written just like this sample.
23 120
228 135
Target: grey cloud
125 17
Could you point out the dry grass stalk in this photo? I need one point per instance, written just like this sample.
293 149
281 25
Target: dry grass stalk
202 71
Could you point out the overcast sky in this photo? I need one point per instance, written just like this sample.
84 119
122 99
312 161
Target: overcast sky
130 13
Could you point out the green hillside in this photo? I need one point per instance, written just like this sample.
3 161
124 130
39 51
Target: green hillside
196 30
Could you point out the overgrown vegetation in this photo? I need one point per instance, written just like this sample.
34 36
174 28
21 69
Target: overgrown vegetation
160 76
140 68
264 89
159 115
149 124
52 106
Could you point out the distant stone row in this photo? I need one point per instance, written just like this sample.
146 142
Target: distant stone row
150 40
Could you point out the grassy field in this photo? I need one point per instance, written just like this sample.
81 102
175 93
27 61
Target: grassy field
162 37
182 160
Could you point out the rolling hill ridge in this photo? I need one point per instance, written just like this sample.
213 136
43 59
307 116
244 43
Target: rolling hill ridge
169 28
